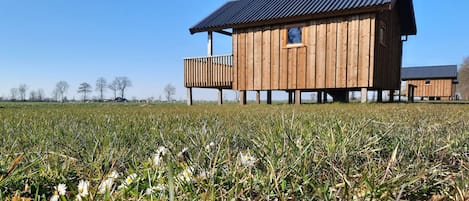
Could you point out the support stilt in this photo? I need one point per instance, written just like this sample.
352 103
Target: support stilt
258 97
242 97
380 96
324 98
269 97
297 97
364 97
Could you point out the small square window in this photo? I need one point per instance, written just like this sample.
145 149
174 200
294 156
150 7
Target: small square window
427 81
294 35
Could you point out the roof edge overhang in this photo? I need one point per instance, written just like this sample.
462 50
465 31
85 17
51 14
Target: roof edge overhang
296 19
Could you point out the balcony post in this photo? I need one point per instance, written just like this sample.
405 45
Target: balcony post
189 96
210 44
220 96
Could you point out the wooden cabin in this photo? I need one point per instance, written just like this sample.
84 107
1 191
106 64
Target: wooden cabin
432 82
326 46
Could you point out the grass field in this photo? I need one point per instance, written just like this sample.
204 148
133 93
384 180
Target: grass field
254 152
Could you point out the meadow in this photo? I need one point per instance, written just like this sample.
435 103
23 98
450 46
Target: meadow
255 152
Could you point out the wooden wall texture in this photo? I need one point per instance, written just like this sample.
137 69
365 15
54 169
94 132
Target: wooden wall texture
436 88
336 53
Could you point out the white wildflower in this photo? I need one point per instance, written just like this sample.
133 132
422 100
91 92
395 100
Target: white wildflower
186 175
209 146
149 191
184 154
106 186
61 189
55 197
160 187
247 160
158 158
152 190
128 181
114 174
83 188
130 178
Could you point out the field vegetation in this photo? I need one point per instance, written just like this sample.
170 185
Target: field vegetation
254 152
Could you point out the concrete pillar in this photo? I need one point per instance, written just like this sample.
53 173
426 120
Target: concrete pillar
220 96
364 97
210 44
380 96
258 97
242 97
297 97
189 96
269 97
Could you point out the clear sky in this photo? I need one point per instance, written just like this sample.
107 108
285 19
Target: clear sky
43 42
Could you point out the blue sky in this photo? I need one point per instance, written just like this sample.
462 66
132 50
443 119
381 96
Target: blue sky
43 42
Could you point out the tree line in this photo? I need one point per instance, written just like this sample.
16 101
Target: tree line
118 87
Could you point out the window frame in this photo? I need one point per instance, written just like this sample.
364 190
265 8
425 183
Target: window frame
427 82
286 28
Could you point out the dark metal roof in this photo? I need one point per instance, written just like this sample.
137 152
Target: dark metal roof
429 72
237 13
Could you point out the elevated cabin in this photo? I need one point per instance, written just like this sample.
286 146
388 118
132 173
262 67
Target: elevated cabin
432 82
326 46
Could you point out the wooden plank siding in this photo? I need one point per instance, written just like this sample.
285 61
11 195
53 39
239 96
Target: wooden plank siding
335 53
436 88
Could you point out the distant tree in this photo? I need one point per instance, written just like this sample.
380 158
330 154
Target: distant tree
40 95
61 89
113 86
101 85
32 96
84 89
22 91
122 84
463 78
169 92
13 94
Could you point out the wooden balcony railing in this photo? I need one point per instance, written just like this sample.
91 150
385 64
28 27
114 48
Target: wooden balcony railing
209 72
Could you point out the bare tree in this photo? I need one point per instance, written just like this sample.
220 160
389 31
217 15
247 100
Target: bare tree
32 96
113 86
463 78
122 84
40 95
169 92
61 89
13 94
84 89
22 91
101 85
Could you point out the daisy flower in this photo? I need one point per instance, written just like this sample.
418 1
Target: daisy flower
247 160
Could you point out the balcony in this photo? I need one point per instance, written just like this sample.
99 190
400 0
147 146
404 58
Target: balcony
209 72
